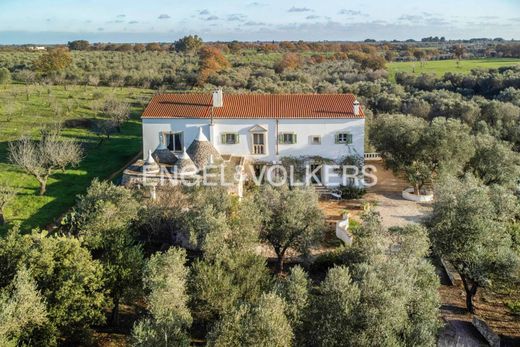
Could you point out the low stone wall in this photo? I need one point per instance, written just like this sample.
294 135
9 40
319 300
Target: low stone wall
453 275
409 195
491 337
342 231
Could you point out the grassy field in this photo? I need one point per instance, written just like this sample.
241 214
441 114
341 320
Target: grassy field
74 104
440 67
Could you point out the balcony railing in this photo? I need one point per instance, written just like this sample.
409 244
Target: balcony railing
258 149
373 156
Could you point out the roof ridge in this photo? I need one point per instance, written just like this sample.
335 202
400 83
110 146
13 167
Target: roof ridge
259 94
253 105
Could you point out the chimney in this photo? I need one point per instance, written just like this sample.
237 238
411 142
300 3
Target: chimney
218 98
356 108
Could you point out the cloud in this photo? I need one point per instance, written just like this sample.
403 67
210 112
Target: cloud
299 9
204 12
252 23
100 29
516 19
121 15
212 18
133 22
164 16
351 12
311 17
435 21
410 18
237 17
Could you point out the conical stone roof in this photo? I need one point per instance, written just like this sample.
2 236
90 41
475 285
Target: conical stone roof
164 156
201 151
184 165
150 165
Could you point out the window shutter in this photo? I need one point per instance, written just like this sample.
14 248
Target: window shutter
336 138
294 139
237 138
280 138
223 138
349 139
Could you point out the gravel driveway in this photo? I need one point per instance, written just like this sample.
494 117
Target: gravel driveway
396 211
386 195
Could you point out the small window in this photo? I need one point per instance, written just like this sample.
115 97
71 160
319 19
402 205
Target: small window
315 140
345 138
174 141
287 138
229 138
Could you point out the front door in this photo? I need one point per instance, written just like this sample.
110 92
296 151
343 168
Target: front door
258 143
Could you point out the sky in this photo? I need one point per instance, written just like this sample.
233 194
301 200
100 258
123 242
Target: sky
59 21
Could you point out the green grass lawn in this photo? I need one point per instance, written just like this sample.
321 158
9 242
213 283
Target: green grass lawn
31 210
440 67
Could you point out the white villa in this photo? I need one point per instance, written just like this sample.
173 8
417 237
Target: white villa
252 128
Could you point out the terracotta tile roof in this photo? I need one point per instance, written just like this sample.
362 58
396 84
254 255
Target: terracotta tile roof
253 106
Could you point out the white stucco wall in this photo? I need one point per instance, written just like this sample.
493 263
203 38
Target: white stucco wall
304 128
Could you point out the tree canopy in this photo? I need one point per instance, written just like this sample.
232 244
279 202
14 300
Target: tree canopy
290 218
420 150
470 227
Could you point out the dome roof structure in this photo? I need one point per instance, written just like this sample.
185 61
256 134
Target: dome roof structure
164 156
202 152
184 165
150 165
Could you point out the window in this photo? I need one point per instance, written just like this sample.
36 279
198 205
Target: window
287 138
345 138
174 141
229 138
315 140
258 143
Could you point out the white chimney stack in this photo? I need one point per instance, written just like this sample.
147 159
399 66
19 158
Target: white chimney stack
356 108
218 98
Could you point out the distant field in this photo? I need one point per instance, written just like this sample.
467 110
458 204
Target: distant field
440 67
31 210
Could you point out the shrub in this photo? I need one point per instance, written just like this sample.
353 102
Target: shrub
514 307
351 191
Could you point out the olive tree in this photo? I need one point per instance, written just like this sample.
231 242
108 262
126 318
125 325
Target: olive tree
117 112
291 219
165 279
103 219
261 324
295 290
42 158
469 228
419 149
5 76
230 271
7 194
69 280
495 162
22 310
385 294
